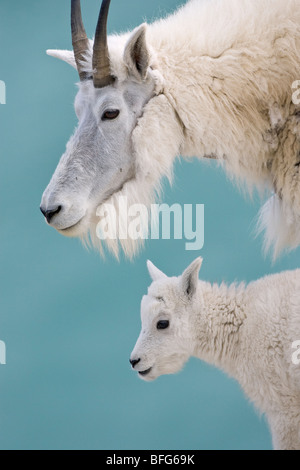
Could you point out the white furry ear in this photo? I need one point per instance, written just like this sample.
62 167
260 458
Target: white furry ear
189 279
154 272
66 56
136 55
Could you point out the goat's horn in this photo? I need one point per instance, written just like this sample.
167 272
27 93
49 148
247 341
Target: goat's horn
79 38
101 64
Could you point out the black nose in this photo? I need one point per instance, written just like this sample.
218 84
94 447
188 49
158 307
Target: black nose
50 213
134 362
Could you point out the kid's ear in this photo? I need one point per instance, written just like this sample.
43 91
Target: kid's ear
66 56
136 55
190 277
154 272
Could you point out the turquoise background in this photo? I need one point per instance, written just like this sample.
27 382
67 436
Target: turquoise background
69 318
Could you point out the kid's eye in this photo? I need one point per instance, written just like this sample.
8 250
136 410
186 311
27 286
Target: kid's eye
163 325
110 114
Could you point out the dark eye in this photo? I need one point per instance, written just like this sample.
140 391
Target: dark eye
110 114
162 324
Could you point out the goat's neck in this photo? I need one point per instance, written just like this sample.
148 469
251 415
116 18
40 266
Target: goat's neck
218 324
214 107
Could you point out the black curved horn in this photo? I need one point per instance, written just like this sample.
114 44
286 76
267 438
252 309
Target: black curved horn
101 64
79 38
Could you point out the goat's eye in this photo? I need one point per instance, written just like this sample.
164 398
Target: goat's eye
110 114
162 324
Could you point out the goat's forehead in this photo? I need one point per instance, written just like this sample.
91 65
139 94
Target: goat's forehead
158 297
149 307
147 303
88 92
127 90
164 289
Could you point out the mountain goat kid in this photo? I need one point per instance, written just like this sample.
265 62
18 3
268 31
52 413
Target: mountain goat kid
249 332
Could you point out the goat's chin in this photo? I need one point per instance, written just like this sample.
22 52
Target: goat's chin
78 230
149 378
171 367
159 370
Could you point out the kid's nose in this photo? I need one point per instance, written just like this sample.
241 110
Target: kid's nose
134 362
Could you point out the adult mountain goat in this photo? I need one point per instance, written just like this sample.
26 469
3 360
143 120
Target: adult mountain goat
252 333
213 80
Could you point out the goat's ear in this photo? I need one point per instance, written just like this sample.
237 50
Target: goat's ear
66 56
154 272
189 279
136 55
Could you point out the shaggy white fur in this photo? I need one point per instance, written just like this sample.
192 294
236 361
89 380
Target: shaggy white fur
248 332
223 72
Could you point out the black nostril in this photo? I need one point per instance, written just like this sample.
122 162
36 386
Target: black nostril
50 213
134 362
